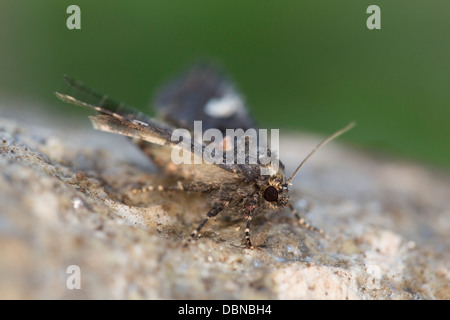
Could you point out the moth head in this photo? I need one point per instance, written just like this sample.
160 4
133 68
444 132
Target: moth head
275 193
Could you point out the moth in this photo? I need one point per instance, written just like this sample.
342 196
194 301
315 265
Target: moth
203 93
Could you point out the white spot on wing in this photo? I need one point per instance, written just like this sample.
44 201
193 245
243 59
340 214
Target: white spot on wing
225 106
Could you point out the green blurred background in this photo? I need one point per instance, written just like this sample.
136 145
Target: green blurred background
307 65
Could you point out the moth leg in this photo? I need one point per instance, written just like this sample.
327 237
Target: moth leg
195 187
302 221
178 187
247 233
215 210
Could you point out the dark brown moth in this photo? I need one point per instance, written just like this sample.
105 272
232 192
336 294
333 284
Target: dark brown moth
201 94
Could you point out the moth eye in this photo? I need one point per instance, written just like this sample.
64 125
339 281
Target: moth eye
271 194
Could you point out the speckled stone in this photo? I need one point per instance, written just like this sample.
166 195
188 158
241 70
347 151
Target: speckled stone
65 200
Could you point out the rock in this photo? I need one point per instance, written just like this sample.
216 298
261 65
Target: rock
66 201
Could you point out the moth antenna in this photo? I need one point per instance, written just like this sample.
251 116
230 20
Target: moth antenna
333 136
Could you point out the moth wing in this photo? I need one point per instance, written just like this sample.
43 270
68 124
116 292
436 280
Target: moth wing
201 167
124 120
114 116
204 94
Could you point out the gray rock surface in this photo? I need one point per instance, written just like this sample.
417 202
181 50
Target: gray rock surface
65 200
